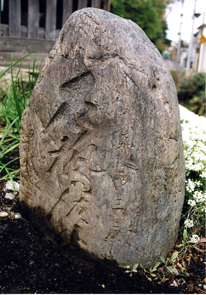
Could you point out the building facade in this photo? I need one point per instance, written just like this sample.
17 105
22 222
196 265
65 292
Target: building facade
27 25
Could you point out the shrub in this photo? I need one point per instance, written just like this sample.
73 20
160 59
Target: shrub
191 92
177 76
190 86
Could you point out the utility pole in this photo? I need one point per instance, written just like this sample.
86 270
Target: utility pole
191 40
179 43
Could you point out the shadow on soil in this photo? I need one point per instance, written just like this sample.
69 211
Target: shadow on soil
33 263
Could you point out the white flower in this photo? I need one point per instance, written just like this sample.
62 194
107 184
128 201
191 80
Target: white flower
192 203
199 197
189 223
203 174
195 239
194 166
198 167
194 131
194 139
198 183
190 186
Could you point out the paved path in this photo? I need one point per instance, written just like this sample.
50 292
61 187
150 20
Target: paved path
173 65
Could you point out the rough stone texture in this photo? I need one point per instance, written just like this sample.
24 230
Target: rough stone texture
101 148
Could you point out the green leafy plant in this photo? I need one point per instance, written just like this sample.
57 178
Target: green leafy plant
12 106
152 270
169 261
161 272
131 269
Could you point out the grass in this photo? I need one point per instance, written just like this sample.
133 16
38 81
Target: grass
12 105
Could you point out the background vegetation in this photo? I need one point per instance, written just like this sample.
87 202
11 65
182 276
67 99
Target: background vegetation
149 15
191 90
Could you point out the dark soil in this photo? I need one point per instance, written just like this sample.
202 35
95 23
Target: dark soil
31 262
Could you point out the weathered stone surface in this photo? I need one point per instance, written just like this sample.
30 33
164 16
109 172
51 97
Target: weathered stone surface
101 148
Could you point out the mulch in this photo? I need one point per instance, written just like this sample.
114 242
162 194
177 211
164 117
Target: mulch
31 262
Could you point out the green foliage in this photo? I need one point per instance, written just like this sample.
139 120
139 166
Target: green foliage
162 271
17 96
154 269
184 235
9 144
148 14
192 85
174 256
131 269
185 244
169 261
12 106
177 76
191 92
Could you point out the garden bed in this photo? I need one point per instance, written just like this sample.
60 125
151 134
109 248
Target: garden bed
33 263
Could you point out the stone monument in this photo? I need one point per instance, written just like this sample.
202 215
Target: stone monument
101 148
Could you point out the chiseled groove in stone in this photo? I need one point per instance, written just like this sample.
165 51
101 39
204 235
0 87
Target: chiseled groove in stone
63 231
70 211
75 79
54 162
57 113
83 220
59 200
82 135
76 203
131 78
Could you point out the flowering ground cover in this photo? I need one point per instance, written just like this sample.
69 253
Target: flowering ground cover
194 140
